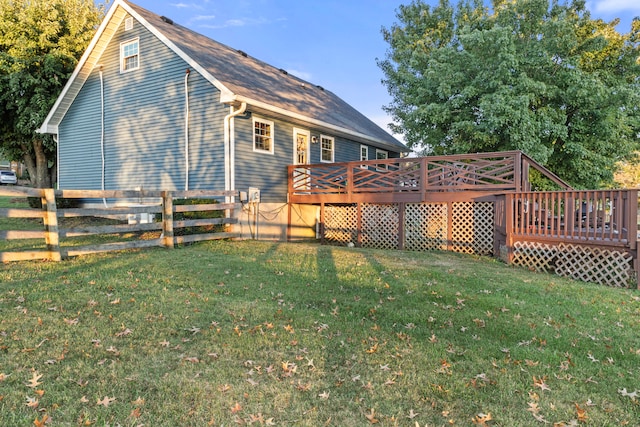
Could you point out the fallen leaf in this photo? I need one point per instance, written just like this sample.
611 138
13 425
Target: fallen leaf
412 414
106 401
581 414
32 402
236 408
482 419
33 382
124 333
135 413
41 422
540 382
371 417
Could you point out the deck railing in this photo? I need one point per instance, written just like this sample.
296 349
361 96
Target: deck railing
495 172
606 217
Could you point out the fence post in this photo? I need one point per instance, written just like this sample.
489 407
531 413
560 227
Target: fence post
167 219
52 235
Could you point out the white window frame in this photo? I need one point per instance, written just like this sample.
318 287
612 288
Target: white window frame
364 149
323 150
123 58
382 155
385 154
271 137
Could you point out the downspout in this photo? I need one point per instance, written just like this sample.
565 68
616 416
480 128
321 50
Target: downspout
186 129
102 154
229 171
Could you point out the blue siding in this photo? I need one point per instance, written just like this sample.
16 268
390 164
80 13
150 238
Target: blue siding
144 140
269 171
144 124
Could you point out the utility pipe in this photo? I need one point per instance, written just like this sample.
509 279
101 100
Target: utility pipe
186 129
102 154
228 151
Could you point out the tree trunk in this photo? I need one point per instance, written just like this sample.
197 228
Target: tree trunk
30 163
42 178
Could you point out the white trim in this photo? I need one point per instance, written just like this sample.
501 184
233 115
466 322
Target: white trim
305 132
47 127
366 149
91 56
225 92
271 135
386 156
333 148
123 58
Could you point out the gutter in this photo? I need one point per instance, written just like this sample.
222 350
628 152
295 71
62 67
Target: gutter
229 148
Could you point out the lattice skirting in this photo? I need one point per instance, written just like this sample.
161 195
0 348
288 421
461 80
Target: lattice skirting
341 224
604 266
473 228
535 256
426 226
380 226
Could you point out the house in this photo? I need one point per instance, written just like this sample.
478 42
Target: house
153 104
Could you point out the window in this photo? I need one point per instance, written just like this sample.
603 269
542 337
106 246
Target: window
364 155
326 149
262 135
382 155
129 56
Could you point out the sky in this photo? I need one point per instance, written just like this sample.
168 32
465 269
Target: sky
331 43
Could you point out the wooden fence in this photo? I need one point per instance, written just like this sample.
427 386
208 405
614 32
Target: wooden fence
134 212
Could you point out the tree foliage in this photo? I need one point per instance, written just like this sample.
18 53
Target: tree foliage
40 44
531 75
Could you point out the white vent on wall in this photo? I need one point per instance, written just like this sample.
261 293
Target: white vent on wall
128 24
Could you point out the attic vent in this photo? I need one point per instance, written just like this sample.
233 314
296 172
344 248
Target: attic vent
167 20
320 87
283 71
243 53
128 24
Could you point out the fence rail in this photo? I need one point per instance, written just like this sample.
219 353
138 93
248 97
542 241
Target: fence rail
132 212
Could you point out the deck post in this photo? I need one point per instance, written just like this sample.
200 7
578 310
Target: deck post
322 240
401 237
52 235
167 219
509 220
359 224
449 226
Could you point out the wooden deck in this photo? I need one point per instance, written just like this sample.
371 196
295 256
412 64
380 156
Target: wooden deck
596 220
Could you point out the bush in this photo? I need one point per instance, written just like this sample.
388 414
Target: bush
181 216
61 203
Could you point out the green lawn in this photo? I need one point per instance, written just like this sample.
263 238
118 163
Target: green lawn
259 333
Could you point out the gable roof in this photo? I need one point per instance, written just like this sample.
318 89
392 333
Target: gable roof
238 76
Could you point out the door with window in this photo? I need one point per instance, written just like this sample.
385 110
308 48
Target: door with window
302 175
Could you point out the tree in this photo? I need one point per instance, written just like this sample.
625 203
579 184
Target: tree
530 75
41 42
